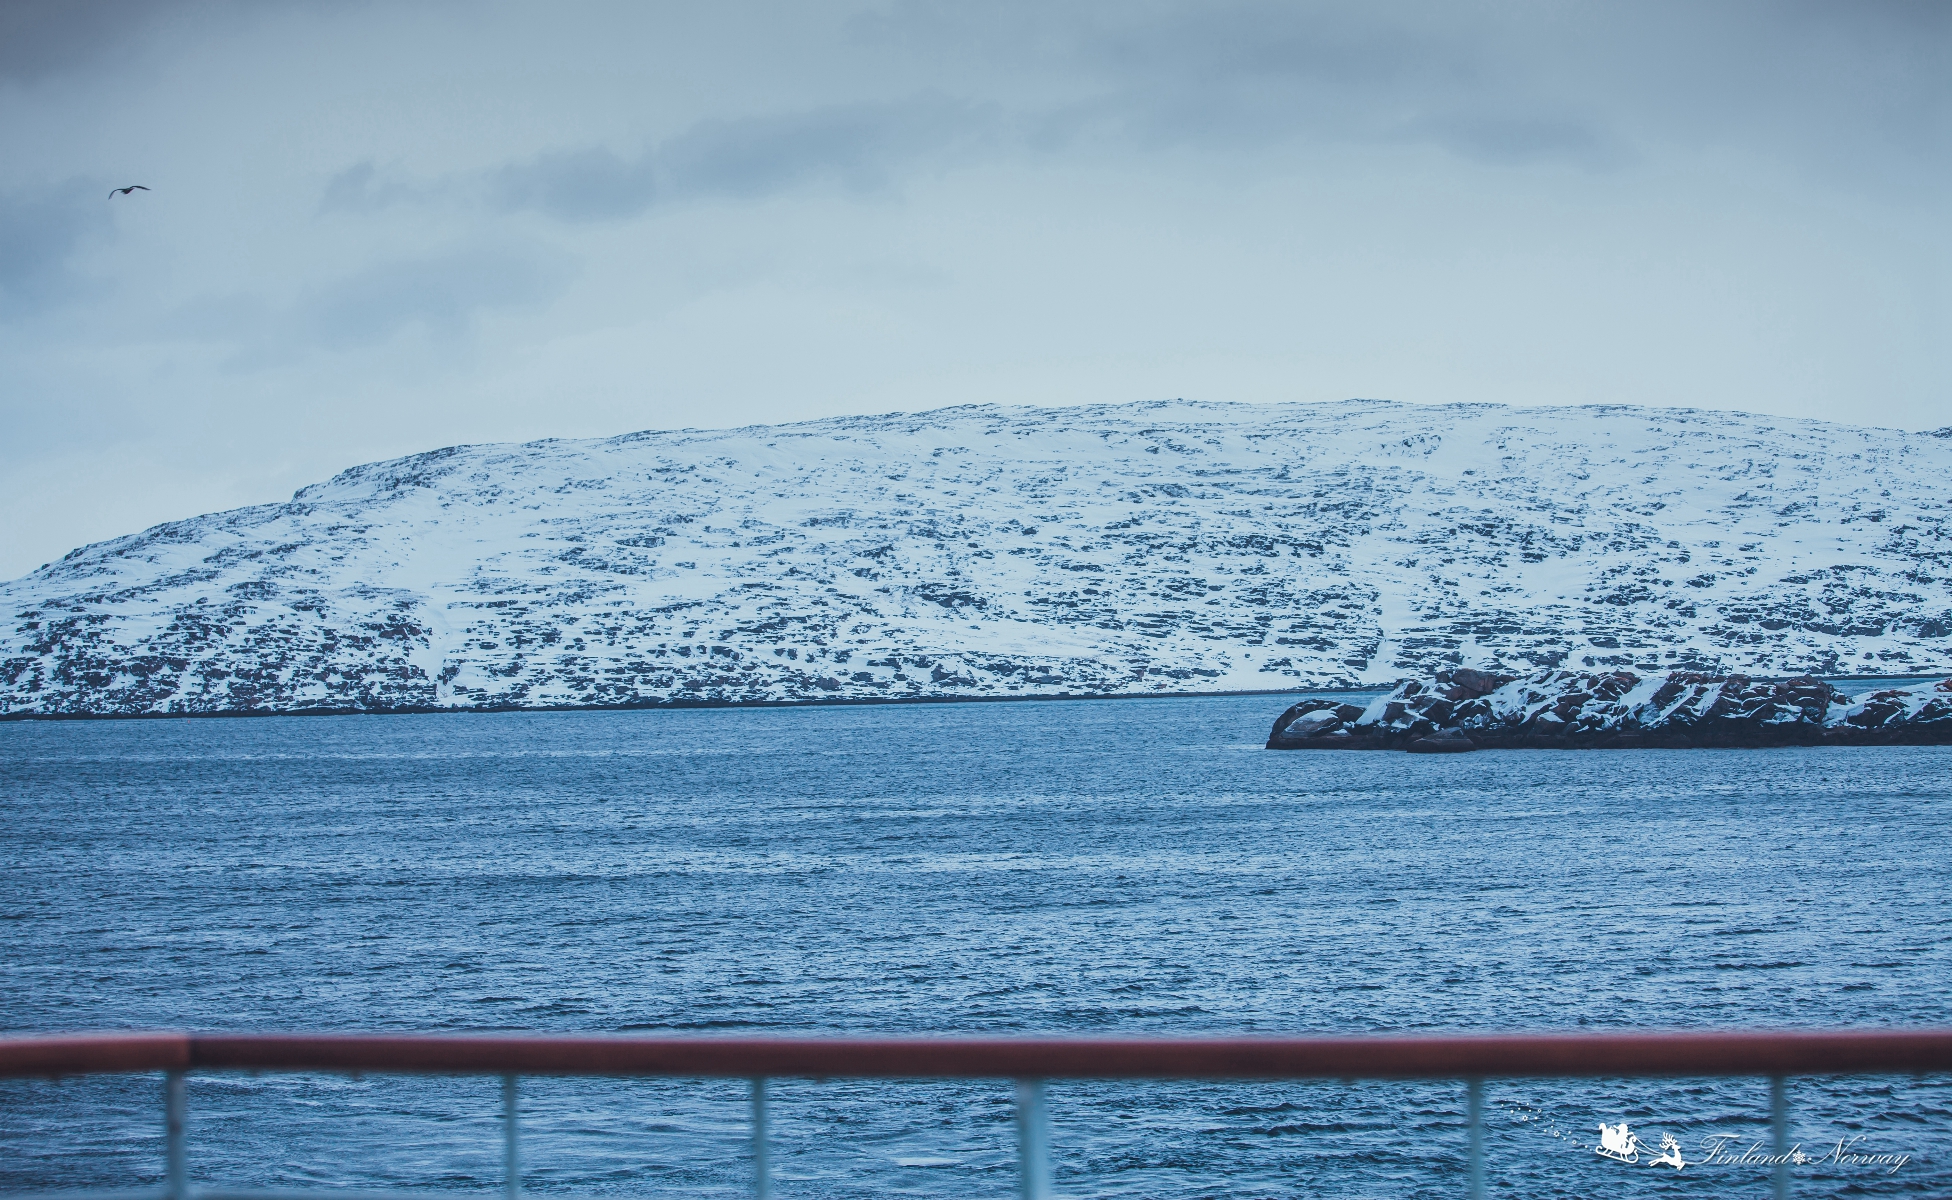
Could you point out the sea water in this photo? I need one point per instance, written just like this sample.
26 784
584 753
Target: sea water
1130 867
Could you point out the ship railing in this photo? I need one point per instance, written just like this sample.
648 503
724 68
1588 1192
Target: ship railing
1025 1061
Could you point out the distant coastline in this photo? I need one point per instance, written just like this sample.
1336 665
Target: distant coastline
641 706
821 702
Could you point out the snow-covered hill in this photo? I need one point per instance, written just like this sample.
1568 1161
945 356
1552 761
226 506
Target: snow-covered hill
994 551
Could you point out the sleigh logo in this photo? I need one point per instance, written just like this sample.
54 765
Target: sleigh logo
1618 1143
1621 1144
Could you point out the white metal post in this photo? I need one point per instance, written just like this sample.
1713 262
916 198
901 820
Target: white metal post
1779 1135
176 1162
1033 1141
762 1179
511 1143
1474 1110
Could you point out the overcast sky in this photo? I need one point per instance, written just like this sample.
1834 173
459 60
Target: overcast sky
380 228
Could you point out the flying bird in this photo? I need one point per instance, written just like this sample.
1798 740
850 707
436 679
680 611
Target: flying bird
134 187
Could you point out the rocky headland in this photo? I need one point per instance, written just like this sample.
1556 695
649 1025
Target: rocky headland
1466 709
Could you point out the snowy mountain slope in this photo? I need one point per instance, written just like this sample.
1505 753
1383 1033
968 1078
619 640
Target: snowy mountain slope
992 551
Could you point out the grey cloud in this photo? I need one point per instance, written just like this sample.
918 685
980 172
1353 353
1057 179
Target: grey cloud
40 231
1255 74
1512 84
859 147
363 187
1245 47
578 185
39 38
855 146
439 295
1515 140
1859 94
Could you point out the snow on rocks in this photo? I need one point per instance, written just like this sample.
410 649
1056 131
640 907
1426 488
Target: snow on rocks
989 551
1555 709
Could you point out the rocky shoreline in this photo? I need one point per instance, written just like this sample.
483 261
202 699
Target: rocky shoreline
1465 709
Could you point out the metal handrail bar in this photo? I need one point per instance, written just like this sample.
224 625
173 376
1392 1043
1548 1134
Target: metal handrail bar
1692 1053
1028 1061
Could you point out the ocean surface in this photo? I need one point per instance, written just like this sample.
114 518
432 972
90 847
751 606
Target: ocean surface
1128 867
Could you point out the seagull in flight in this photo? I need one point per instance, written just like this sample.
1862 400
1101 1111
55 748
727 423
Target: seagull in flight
134 187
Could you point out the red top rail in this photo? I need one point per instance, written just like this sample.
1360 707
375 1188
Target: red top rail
1691 1053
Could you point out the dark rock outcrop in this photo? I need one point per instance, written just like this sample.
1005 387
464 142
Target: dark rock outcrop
1467 709
1444 741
